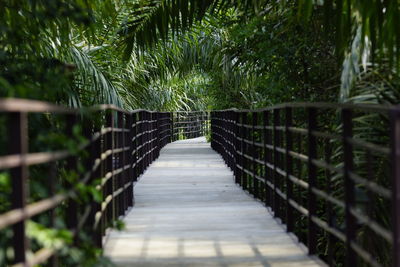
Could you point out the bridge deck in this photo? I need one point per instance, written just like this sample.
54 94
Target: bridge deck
189 212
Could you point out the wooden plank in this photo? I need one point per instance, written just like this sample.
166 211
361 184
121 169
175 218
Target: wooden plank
189 212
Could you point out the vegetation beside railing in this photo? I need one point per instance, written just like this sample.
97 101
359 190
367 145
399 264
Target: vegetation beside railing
67 177
330 172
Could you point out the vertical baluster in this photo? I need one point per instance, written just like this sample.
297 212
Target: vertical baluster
237 147
110 187
289 169
53 261
151 133
228 137
150 147
276 177
134 144
242 136
154 136
130 120
267 158
116 164
96 149
231 141
254 154
202 133
212 132
18 145
224 138
245 149
124 164
312 180
329 209
72 208
349 185
158 136
172 127
395 147
143 143
146 140
176 134
103 170
140 143
150 151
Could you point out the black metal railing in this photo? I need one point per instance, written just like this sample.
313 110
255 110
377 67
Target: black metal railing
105 147
190 124
330 172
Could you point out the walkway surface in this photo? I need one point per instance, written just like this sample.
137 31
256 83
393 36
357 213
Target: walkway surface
189 212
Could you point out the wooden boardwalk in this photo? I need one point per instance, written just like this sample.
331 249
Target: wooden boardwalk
189 212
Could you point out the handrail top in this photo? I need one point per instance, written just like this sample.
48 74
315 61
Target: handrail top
321 105
37 106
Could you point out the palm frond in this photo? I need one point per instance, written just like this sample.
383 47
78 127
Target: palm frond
95 86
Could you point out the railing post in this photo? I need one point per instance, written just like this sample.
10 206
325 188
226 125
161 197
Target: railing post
154 136
141 141
232 139
350 221
103 170
130 158
134 152
276 201
395 147
241 146
289 169
245 149
212 130
176 126
110 187
171 133
172 127
122 163
146 140
151 137
254 153
72 209
312 180
202 132
237 148
18 136
157 124
267 158
96 151
53 261
228 137
329 209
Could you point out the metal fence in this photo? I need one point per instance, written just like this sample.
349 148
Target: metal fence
330 172
190 124
104 144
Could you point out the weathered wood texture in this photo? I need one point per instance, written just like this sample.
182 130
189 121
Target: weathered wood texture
189 212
